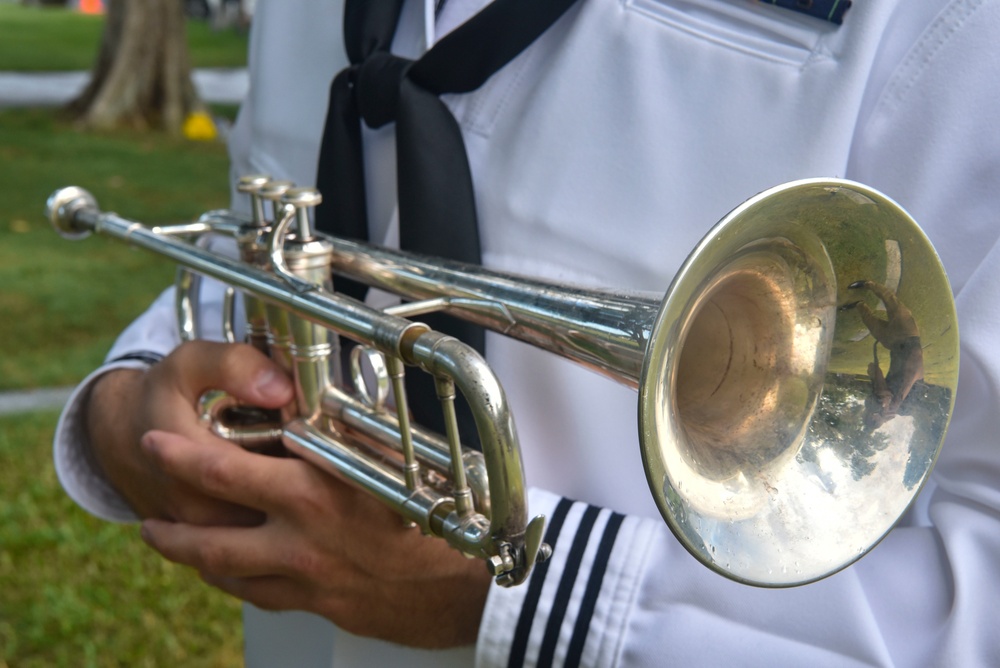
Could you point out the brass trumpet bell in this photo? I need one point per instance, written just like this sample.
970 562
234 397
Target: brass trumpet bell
762 377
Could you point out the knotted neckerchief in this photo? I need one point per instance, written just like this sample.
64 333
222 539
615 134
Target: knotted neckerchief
437 210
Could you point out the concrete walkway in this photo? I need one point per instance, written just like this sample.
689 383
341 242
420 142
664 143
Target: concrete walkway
36 89
26 401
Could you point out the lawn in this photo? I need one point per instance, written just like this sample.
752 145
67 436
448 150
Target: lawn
39 39
77 591
63 302
80 592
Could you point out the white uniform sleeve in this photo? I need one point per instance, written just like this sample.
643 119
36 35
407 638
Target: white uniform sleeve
143 343
620 591
146 341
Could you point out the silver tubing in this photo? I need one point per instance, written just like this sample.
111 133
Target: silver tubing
499 538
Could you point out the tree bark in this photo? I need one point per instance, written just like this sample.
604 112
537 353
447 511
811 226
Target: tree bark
142 76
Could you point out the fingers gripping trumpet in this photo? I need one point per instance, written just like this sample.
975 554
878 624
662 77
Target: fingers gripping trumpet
752 381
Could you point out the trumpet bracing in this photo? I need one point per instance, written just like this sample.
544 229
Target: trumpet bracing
775 446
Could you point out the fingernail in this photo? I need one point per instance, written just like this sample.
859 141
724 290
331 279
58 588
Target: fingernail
272 385
148 442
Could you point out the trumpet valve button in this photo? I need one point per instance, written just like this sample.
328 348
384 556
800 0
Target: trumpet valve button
251 183
302 197
273 191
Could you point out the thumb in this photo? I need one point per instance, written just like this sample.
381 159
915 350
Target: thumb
270 387
238 369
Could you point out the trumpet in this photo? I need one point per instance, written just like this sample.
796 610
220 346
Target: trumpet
753 372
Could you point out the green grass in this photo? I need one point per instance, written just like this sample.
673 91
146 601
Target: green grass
77 591
37 39
216 48
63 302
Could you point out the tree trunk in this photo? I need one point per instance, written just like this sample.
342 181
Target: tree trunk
142 77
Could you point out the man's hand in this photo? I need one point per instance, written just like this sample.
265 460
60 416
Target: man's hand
324 547
125 404
277 532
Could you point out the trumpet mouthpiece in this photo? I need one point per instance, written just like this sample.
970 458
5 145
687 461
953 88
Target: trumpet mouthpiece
62 208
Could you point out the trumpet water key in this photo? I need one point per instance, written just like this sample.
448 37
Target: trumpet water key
757 373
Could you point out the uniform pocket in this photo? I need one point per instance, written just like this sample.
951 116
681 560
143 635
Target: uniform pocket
757 29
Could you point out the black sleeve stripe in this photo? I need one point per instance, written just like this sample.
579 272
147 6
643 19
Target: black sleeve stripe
565 589
519 646
149 358
589 602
